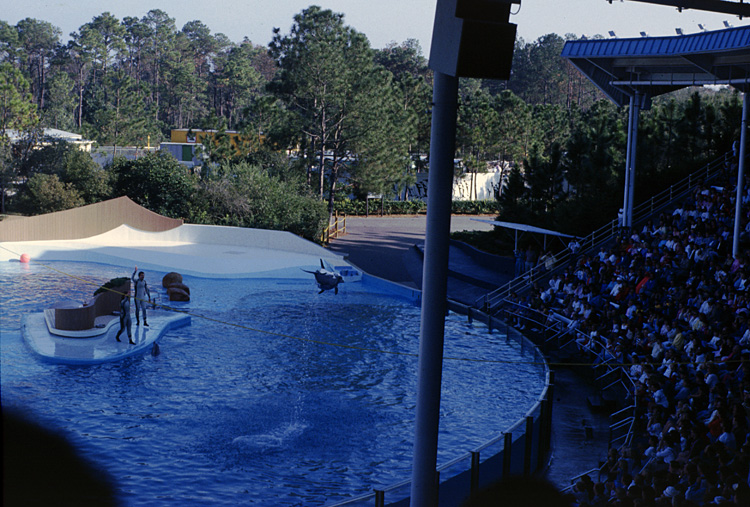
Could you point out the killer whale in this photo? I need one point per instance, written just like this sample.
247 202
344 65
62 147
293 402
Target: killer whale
326 279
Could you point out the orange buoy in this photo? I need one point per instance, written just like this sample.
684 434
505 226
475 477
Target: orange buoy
25 258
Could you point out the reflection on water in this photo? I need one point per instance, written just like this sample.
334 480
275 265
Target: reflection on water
258 405
281 436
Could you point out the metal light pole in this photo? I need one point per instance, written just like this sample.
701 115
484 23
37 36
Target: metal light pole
434 288
632 149
471 38
740 179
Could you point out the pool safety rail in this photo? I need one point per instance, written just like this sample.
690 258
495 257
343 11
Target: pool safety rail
520 450
336 228
615 386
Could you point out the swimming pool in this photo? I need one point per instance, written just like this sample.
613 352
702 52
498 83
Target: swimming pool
285 396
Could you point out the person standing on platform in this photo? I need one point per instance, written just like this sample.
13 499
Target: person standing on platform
531 257
141 293
125 322
520 259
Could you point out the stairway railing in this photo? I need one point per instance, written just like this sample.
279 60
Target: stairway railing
651 206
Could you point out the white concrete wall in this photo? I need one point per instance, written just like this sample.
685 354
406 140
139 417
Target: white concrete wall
486 183
238 236
199 250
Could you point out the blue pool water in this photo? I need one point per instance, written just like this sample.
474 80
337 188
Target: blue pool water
258 405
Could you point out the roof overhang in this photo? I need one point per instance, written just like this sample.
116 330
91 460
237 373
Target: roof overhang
651 66
523 227
738 8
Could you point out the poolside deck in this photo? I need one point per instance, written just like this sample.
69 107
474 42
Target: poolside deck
103 348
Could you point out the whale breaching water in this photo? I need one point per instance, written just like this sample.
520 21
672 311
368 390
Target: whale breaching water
326 278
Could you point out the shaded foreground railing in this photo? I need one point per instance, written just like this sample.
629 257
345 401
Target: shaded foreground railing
336 228
520 450
607 232
621 429
557 334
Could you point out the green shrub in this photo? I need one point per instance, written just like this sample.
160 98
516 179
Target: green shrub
357 207
239 194
45 193
488 207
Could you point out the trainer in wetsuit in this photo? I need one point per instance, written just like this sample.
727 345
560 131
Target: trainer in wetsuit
141 293
125 322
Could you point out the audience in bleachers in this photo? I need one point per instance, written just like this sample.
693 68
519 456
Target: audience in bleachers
670 304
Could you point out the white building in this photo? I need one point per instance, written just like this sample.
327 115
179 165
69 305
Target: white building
50 136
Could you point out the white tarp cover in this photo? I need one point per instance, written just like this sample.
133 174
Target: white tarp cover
523 227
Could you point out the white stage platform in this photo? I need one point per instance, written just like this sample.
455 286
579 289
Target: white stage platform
103 348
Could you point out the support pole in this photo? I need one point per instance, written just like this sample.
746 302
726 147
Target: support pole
633 153
434 290
633 117
625 200
740 179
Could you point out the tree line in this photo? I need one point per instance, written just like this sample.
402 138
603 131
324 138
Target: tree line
325 116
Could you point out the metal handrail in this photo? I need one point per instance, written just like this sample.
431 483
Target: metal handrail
629 407
626 422
608 372
621 423
650 206
574 480
452 462
624 439
334 230
611 384
650 460
560 331
527 318
627 436
598 342
358 500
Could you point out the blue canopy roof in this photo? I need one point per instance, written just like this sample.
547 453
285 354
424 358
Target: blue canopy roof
652 66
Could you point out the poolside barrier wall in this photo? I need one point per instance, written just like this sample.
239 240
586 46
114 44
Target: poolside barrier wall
520 450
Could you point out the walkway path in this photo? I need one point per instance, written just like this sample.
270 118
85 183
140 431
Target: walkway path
391 248
384 247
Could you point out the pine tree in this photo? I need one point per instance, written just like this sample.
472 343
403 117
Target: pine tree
327 79
18 113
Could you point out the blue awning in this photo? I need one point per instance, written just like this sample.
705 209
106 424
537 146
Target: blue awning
651 66
523 227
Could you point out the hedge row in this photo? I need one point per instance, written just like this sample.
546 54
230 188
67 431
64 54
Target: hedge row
358 207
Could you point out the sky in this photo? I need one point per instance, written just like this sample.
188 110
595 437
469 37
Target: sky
382 21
